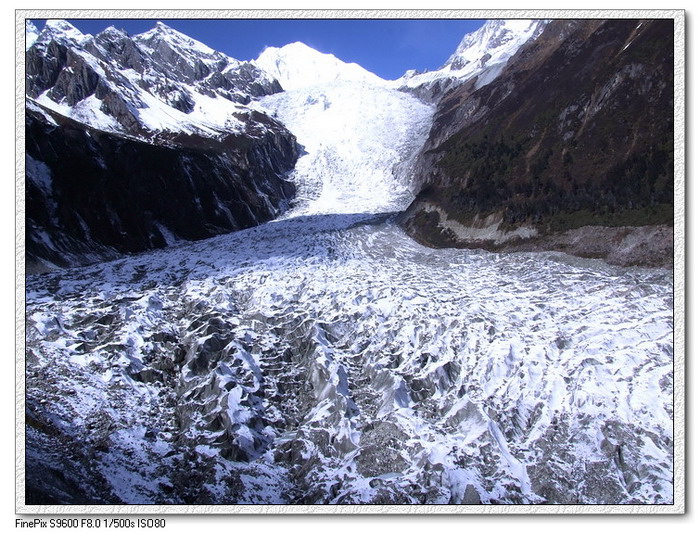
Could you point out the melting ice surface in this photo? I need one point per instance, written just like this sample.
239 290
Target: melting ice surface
328 358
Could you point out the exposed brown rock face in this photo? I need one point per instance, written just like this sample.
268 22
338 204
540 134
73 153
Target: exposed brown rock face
578 130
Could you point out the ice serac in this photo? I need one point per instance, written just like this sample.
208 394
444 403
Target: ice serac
140 115
331 359
480 57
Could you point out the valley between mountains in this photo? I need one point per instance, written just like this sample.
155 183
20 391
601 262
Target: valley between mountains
289 281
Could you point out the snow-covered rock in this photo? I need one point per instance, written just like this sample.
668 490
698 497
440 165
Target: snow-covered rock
482 55
158 81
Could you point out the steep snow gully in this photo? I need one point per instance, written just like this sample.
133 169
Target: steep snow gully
328 358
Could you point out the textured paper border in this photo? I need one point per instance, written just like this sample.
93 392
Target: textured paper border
679 423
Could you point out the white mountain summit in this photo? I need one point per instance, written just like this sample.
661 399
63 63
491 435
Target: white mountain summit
298 65
482 54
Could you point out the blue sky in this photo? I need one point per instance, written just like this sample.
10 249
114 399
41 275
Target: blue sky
386 47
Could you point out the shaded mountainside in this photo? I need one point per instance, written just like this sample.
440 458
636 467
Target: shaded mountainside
577 131
135 143
92 195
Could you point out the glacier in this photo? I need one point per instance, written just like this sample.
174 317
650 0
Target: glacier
359 138
327 358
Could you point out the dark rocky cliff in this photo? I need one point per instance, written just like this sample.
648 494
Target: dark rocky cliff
134 143
577 131
92 195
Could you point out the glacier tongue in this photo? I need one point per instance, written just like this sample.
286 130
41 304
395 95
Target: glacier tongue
331 359
328 358
358 134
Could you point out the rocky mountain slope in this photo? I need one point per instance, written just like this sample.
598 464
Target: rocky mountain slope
113 121
576 131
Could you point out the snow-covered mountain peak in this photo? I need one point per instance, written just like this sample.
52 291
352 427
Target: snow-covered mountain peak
62 30
499 39
168 45
162 33
31 32
297 65
481 54
111 32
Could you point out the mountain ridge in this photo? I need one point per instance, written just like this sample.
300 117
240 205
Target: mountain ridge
553 161
158 94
